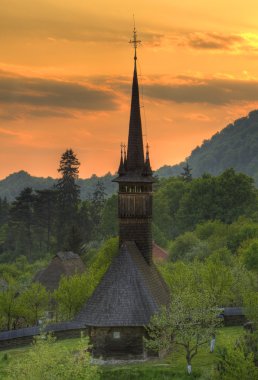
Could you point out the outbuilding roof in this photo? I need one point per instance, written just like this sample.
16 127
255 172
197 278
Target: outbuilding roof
63 264
233 311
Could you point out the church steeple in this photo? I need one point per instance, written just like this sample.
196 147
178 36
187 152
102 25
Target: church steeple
135 155
135 180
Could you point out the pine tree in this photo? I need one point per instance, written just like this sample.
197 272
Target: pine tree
45 213
22 221
98 202
68 195
74 240
187 175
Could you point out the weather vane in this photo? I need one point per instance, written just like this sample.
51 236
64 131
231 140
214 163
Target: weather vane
134 41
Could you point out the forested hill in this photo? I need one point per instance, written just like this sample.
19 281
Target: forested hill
11 186
235 146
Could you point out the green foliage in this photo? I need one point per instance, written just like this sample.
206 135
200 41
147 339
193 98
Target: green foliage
9 306
225 280
189 322
166 203
241 230
234 364
249 254
251 307
75 290
225 198
68 195
179 206
188 247
109 220
45 361
33 303
159 237
103 258
71 294
170 367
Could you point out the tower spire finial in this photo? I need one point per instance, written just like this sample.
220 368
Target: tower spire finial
134 41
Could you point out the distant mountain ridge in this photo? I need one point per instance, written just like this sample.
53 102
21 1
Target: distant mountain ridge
11 186
235 146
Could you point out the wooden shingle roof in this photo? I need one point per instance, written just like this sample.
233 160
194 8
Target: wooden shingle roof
130 292
63 264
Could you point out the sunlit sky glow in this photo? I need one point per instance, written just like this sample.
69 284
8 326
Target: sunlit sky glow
66 70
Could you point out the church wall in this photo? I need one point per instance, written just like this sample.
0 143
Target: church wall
123 343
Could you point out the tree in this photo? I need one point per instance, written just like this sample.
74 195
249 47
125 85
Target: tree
45 213
98 202
249 254
187 175
109 222
22 221
4 211
9 307
235 364
33 303
48 360
74 240
68 195
188 247
217 281
189 322
75 290
71 294
224 198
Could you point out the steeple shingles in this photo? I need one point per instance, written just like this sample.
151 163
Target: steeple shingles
135 155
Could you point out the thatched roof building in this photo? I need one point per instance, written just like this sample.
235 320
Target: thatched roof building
63 264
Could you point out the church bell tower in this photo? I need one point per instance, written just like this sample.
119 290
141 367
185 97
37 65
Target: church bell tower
135 179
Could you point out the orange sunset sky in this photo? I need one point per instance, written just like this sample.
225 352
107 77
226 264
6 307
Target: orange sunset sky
66 69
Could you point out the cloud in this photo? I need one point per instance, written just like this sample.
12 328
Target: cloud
213 41
209 91
49 113
52 98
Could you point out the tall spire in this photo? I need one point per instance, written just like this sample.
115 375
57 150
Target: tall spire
135 155
121 169
147 171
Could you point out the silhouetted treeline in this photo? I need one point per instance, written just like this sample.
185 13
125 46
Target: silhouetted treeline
46 221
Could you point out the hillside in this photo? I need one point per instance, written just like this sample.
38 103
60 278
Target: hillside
235 146
11 186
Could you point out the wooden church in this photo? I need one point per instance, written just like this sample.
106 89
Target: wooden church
132 290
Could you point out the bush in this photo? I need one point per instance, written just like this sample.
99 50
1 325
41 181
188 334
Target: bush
46 360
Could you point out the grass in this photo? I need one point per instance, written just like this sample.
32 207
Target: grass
172 367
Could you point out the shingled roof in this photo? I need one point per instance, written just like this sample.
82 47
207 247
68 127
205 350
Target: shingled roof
63 264
130 292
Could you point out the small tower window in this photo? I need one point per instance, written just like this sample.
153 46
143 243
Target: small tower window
116 334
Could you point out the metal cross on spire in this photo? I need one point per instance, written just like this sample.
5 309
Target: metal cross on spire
135 42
